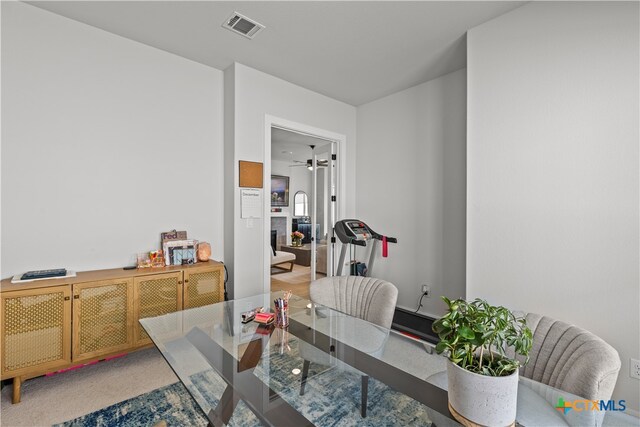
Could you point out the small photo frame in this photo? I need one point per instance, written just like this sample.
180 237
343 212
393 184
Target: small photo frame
180 252
184 256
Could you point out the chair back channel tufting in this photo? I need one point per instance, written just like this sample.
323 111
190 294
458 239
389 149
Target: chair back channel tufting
367 298
570 358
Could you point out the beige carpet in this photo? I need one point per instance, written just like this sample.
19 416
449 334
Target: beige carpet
62 397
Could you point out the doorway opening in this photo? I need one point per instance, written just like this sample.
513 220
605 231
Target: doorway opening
302 190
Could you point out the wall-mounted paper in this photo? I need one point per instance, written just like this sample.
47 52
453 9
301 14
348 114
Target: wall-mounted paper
251 203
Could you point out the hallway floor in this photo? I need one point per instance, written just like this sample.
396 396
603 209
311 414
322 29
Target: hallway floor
296 281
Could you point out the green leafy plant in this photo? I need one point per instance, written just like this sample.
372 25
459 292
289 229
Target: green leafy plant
476 334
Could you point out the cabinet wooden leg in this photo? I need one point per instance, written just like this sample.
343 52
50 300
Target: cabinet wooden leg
17 383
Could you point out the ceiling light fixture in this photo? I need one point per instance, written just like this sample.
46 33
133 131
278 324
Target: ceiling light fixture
242 25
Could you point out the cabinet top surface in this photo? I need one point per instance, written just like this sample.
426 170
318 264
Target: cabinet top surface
95 275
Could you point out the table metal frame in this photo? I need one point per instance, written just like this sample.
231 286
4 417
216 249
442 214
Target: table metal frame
242 384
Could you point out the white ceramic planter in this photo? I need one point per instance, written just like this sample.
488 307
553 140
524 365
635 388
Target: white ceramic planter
488 401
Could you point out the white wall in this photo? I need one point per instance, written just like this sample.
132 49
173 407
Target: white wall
105 143
411 185
553 206
256 95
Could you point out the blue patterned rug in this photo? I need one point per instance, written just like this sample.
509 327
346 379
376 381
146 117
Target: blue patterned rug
332 398
171 403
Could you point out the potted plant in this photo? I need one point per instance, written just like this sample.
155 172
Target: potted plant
482 380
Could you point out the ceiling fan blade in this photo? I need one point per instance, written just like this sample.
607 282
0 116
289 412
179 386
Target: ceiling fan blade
321 163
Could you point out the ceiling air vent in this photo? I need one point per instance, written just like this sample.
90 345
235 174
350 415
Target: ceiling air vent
242 25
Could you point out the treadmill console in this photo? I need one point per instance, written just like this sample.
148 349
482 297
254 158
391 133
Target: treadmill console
359 230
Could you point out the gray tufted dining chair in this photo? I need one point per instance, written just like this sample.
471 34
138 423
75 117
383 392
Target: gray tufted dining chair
367 298
565 357
570 358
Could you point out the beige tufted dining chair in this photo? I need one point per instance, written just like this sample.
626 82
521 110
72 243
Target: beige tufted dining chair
567 358
367 298
570 358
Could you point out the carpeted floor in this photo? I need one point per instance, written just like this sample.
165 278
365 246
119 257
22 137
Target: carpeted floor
62 397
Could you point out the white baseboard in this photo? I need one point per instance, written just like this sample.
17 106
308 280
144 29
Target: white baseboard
424 313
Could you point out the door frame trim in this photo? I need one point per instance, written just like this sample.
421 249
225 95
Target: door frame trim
304 129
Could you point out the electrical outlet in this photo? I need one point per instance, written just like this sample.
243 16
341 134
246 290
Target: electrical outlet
634 368
426 291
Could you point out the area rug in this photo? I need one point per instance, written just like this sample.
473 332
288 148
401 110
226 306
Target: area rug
332 398
171 404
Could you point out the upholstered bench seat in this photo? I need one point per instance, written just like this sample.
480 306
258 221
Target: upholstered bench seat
282 257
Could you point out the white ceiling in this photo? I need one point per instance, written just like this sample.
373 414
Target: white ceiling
288 146
353 51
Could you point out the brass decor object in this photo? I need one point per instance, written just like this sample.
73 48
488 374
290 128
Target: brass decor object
98 309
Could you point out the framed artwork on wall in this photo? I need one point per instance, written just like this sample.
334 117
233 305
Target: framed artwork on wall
279 190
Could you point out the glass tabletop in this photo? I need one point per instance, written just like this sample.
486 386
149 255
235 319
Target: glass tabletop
246 374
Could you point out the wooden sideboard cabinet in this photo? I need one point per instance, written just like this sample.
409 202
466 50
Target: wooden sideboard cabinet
203 287
53 324
102 318
35 332
153 296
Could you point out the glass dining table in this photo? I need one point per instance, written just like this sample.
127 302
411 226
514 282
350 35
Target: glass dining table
244 374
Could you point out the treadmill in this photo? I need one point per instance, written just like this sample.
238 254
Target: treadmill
356 232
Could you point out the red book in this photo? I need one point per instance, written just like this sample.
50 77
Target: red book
264 318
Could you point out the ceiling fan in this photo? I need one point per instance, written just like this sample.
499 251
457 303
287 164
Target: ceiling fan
309 162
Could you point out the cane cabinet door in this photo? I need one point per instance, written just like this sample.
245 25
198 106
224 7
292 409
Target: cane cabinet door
35 330
155 295
102 317
203 287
